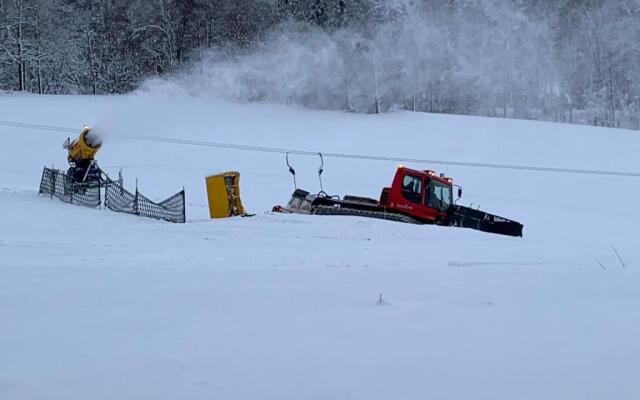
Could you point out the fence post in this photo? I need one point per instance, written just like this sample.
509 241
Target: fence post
53 181
184 206
135 200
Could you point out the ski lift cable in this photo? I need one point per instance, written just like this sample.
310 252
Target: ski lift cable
264 149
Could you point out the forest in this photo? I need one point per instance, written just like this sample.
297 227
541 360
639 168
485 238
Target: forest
575 61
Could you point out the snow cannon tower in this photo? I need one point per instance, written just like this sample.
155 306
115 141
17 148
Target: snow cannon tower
81 153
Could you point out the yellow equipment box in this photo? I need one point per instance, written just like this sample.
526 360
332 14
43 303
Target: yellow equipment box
223 191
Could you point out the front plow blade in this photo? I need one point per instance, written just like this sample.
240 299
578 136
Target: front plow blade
466 217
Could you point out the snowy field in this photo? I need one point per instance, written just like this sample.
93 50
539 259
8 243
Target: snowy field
99 305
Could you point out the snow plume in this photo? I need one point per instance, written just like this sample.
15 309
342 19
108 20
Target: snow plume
295 64
479 55
101 130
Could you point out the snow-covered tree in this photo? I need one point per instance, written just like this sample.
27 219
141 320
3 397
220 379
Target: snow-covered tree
565 60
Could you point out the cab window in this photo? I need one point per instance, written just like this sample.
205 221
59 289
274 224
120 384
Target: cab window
439 195
411 188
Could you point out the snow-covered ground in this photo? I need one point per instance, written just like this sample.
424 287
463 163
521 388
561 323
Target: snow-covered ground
100 305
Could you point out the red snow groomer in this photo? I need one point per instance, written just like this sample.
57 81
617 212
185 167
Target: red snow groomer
415 196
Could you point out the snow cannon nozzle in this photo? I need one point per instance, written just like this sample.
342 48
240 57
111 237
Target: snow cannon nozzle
91 137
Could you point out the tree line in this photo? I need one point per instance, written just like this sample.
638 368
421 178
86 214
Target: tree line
563 60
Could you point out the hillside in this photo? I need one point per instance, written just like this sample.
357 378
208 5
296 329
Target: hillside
102 305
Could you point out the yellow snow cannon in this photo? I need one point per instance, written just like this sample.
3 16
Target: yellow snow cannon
223 191
81 153
84 147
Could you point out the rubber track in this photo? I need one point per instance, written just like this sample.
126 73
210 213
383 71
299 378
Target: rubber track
329 210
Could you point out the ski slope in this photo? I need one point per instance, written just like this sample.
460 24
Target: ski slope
100 305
